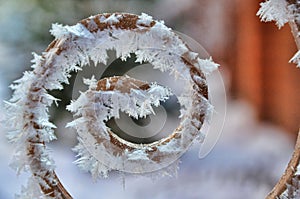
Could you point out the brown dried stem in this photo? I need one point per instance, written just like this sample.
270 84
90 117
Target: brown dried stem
288 174
49 182
295 32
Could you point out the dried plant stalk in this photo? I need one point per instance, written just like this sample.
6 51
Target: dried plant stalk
289 173
72 49
286 11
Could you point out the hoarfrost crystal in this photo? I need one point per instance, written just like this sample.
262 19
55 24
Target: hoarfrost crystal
73 48
274 10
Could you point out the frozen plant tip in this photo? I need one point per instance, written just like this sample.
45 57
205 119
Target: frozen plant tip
282 12
275 10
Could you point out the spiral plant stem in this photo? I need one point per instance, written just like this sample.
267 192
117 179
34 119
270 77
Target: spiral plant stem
48 181
99 149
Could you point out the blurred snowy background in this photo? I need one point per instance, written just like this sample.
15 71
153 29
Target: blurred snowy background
250 154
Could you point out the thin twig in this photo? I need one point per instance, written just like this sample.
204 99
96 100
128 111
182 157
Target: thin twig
288 174
62 189
295 32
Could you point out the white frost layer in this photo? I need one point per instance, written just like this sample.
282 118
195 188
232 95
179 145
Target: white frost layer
31 191
298 170
207 66
274 10
296 59
95 108
280 12
73 48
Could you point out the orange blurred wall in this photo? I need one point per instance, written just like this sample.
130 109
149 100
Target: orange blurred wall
261 73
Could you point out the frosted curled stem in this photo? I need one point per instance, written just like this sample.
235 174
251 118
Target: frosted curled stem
99 149
286 11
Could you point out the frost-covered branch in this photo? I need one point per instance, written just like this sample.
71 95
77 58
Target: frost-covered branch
286 11
282 12
288 185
